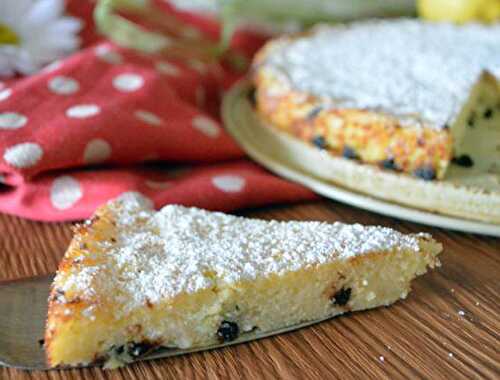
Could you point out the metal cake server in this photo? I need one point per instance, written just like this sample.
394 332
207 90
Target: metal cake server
23 310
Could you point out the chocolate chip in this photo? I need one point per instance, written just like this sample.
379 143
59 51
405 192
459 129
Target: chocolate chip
426 173
120 350
349 153
488 113
134 350
342 296
228 331
320 142
314 112
389 164
471 120
251 97
463 160
138 349
58 296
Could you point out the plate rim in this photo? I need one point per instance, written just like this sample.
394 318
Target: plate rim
329 190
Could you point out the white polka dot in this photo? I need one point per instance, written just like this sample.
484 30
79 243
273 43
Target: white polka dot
107 55
82 111
206 126
128 82
65 192
157 185
164 67
52 67
148 117
12 120
4 94
229 183
97 150
62 85
23 155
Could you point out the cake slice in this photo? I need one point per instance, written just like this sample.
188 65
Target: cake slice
133 279
400 94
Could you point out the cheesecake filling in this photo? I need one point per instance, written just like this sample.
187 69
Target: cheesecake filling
476 135
270 304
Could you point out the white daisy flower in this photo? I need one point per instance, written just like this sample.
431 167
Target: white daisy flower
34 33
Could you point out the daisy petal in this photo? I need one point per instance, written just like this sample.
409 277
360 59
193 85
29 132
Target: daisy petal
65 25
13 11
6 69
25 64
45 34
43 12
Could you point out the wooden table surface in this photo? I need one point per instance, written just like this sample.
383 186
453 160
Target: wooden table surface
448 327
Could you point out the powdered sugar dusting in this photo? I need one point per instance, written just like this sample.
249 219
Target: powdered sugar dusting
81 279
404 67
178 249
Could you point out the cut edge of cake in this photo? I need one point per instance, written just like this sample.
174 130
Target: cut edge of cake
85 327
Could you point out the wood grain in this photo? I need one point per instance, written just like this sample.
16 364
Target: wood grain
421 337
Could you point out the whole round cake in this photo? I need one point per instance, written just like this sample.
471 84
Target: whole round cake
399 94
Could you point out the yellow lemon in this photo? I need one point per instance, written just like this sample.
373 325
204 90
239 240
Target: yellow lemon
490 11
460 10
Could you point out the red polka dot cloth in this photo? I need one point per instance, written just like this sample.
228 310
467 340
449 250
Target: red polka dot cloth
84 129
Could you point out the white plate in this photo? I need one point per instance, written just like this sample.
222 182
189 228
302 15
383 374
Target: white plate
279 153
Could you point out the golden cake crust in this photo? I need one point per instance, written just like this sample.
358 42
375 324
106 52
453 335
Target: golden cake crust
63 307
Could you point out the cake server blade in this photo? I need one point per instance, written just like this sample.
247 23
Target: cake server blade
23 311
